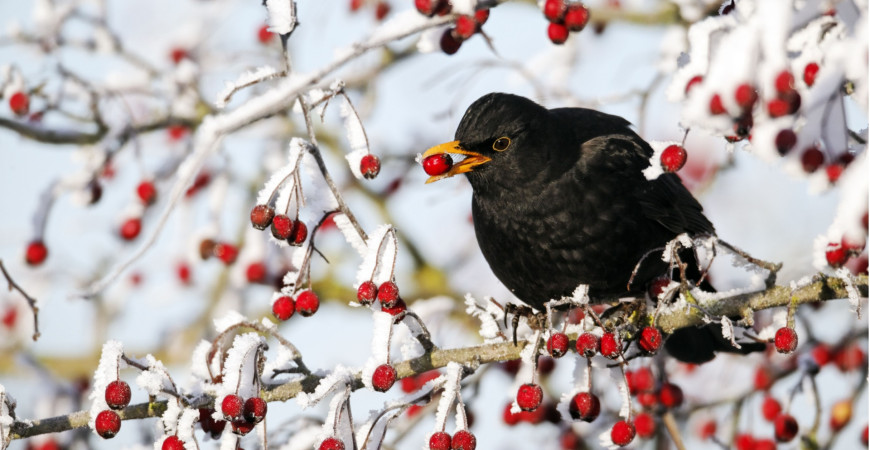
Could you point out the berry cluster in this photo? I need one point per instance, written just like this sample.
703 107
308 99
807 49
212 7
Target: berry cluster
461 440
564 18
306 303
243 414
387 294
223 251
382 8
117 396
283 228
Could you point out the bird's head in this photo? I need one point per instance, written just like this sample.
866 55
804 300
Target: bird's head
504 139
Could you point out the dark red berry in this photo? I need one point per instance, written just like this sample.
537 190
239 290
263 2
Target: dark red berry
557 32
529 397
673 158
437 164
785 141
546 365
588 345
366 293
812 159
383 378
810 72
226 252
770 408
370 166
118 394
554 10
645 425
282 227
650 340
108 423
785 428
746 96
283 307
298 234
307 303
576 17
793 99
622 433
19 103
463 440
716 106
254 409
172 443
784 82
242 427
611 347
388 293
231 407
398 307
694 81
381 10
36 253
147 192
584 406
481 16
670 395
557 345
331 443
786 340
449 43
131 228
256 272
439 441
657 287
209 425
261 216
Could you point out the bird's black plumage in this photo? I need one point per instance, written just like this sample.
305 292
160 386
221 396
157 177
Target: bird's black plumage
566 203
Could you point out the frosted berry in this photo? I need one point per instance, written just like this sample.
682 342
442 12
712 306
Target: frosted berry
784 82
231 407
449 43
131 228
812 159
242 427
622 433
584 406
778 107
331 443
282 227
366 293
785 141
554 10
576 17
673 158
657 287
836 255
381 10
786 340
298 234
118 394
465 26
261 216
610 345
108 423
439 441
437 164
283 307
172 443
19 103
670 395
463 440
810 72
36 253
370 166
383 377
785 428
557 345
529 396
770 408
225 252
256 272
746 96
588 345
716 106
307 303
557 32
645 425
694 81
147 192
650 340
388 293
254 410
397 308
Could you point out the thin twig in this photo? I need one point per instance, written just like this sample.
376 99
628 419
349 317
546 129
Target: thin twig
30 300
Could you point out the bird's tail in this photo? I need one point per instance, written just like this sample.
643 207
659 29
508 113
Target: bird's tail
698 345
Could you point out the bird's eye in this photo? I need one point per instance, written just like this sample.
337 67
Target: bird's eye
501 144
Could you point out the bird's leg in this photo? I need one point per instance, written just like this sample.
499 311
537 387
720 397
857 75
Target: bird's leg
521 311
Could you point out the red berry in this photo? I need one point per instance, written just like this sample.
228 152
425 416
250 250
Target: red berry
778 107
108 423
576 17
256 272
763 379
510 417
671 396
398 307
283 307
650 340
298 234
383 377
366 293
707 430
864 436
610 345
19 103
812 159
673 158
584 406
177 54
355 5
282 227
793 99
381 10
449 43
118 394
242 427
331 443
588 345
648 400
388 293
307 303
529 396
810 72
657 287
645 425
833 172
209 425
437 164
744 441
370 166
172 443
146 192
746 96
849 358
785 141
697 79
225 252
439 441
785 428
176 132
786 340
36 253
622 433
254 409
481 16
784 82
463 440
836 255
557 32
465 27
770 408
261 216
764 444
130 228
557 345
554 10
641 380
264 35
716 106
822 354
232 406
426 7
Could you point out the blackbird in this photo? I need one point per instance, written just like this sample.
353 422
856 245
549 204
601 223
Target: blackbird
559 199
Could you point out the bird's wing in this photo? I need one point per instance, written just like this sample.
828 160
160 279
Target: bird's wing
669 203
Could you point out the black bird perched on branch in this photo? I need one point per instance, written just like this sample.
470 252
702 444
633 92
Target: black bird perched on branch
560 199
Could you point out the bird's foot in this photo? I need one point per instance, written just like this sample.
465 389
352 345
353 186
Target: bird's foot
535 320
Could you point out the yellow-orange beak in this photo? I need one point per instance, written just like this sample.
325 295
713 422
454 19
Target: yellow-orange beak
468 164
